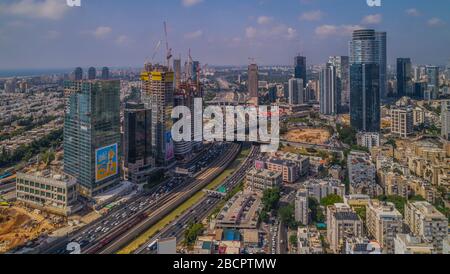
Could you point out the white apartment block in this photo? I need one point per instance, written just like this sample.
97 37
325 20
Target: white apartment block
425 221
383 223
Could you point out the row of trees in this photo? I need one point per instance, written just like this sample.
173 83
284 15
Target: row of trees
26 152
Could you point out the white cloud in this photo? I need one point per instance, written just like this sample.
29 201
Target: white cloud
372 19
47 9
102 32
413 12
251 32
123 40
53 34
194 35
325 31
190 3
263 20
273 32
315 15
435 22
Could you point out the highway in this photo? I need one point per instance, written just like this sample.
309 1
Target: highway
203 208
121 217
115 242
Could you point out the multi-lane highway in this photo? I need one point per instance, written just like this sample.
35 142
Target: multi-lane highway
172 202
124 217
203 208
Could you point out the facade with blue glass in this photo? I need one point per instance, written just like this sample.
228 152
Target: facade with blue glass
92 134
365 81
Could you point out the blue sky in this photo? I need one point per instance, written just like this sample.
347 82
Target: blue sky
49 34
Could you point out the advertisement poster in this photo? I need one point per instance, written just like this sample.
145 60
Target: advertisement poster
106 162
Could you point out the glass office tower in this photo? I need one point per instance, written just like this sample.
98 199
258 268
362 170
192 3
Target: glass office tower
300 69
365 81
92 134
404 77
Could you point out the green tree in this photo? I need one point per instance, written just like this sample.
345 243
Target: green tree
317 215
286 214
191 234
293 240
271 198
391 142
331 200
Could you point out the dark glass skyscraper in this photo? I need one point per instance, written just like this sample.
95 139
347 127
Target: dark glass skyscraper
300 69
105 73
92 134
78 74
381 38
364 82
137 145
92 73
404 77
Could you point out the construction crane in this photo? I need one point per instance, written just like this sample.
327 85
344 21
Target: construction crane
155 51
168 50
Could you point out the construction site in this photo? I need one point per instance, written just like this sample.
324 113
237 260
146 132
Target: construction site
316 136
19 225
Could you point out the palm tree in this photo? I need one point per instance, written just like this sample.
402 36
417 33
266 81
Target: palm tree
391 142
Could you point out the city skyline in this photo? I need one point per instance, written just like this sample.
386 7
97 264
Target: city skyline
57 36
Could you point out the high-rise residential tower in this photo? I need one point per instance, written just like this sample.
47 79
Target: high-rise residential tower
253 82
157 95
300 69
342 65
92 73
445 116
364 82
433 81
92 134
296 92
330 90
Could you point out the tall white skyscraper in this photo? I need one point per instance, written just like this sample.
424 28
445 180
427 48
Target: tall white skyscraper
329 90
296 92
342 64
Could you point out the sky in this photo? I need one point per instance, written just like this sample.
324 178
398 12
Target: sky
50 34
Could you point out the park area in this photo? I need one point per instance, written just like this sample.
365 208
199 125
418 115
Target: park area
316 136
17 226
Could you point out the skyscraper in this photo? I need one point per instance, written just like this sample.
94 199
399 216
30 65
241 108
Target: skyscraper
78 74
342 65
92 134
404 77
364 82
433 81
445 116
296 92
137 145
300 69
92 73
195 70
177 72
253 82
105 73
329 90
158 92
381 38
